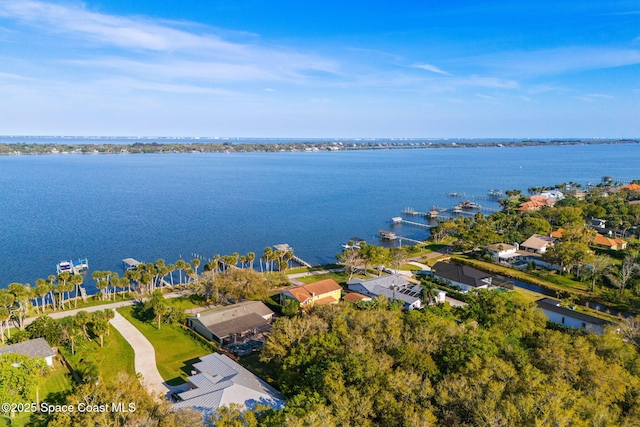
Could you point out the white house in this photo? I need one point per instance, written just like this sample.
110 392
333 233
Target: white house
33 348
569 318
503 252
537 243
220 381
553 195
394 287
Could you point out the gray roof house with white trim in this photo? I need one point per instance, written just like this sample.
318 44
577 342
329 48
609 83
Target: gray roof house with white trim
225 324
463 276
220 381
394 287
569 318
33 348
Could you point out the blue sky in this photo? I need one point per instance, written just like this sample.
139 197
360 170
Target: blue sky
276 68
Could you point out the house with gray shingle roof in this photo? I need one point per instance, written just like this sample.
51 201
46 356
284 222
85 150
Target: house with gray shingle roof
225 325
394 287
220 381
570 318
33 348
463 276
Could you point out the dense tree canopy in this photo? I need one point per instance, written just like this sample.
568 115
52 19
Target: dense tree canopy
493 362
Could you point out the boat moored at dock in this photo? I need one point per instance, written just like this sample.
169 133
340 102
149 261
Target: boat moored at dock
74 267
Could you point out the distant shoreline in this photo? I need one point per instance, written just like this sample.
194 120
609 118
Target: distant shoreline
52 148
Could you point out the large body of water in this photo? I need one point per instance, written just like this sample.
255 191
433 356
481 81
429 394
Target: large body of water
110 207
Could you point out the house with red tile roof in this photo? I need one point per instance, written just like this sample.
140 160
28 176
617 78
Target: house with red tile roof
535 203
319 293
631 187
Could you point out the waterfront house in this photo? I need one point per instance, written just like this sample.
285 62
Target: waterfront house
227 325
460 275
394 287
219 381
535 203
33 348
537 243
319 293
570 318
553 195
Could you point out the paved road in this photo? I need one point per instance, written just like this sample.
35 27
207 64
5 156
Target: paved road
145 356
112 305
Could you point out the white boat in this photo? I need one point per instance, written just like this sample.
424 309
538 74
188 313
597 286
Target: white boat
64 266
73 267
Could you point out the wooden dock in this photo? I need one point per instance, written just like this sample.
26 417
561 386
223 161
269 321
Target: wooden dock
297 259
417 242
399 220
130 264
462 195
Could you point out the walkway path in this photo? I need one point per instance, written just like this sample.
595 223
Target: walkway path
145 356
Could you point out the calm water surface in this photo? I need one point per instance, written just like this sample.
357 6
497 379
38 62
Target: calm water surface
110 207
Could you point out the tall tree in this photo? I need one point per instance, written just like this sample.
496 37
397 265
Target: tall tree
158 306
597 268
627 271
76 280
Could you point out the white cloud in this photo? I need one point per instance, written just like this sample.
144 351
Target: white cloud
150 40
558 61
432 68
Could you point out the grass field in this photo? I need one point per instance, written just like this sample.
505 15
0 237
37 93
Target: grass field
264 371
312 269
548 280
340 277
90 359
175 349
57 384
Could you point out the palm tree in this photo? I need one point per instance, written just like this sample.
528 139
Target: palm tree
7 300
251 256
267 256
429 291
63 278
22 294
42 289
171 268
181 265
196 264
114 281
76 280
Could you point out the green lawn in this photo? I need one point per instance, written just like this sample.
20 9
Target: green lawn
312 269
550 280
263 370
90 359
176 350
186 302
57 384
410 267
338 276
